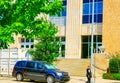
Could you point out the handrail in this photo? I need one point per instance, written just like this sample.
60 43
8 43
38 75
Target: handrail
99 68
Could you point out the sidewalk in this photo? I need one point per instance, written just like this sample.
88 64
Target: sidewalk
76 79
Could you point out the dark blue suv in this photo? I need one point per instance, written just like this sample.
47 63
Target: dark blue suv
39 71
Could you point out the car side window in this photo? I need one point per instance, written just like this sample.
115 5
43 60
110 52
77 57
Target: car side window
30 65
21 64
39 66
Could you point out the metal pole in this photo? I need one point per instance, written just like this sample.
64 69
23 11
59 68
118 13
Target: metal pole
92 36
94 67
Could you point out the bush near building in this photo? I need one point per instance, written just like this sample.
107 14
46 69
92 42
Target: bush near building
113 76
113 71
114 65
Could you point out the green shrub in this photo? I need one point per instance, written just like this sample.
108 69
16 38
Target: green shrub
112 76
116 76
106 76
114 65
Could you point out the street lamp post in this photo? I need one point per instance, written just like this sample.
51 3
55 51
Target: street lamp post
101 50
92 36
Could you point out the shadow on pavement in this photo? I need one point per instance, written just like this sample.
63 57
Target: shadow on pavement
30 81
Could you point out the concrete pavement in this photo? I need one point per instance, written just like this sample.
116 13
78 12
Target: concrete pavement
77 79
74 79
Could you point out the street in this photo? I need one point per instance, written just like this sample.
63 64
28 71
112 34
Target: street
73 80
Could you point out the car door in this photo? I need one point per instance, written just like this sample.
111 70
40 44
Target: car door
29 70
39 72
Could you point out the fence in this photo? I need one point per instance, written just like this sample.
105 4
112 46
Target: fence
8 58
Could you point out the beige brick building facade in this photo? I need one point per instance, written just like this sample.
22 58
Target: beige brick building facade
111 25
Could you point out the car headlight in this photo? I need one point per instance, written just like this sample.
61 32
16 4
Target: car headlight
59 74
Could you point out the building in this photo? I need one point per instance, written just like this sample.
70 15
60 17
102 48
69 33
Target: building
75 24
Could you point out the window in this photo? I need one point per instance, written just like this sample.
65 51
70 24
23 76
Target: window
62 48
87 1
27 40
64 2
26 43
60 20
63 13
21 64
22 40
32 46
30 64
27 46
86 45
39 66
22 46
87 11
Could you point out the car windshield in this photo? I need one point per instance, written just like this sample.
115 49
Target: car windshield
50 66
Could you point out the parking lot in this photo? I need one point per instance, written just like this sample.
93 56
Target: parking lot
74 79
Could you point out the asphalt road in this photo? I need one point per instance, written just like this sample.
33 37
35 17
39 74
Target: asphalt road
73 80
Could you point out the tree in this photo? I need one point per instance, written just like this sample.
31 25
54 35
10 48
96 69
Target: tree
47 47
18 16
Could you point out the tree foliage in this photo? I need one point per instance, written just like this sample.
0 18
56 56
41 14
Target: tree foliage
18 17
47 47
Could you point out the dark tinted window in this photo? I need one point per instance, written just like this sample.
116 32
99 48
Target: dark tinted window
87 1
30 64
87 19
20 64
27 46
27 40
22 46
98 0
22 40
64 3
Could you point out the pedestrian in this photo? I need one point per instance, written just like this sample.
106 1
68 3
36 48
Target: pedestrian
88 74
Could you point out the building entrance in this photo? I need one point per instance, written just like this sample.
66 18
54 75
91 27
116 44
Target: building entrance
86 45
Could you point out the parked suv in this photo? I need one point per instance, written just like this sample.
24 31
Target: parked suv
39 71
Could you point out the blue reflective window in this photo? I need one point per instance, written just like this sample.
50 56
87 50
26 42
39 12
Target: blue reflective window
86 9
100 8
90 8
64 11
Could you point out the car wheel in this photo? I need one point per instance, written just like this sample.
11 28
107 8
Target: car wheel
50 79
19 77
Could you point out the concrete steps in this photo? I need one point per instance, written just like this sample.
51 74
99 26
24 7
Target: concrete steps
75 67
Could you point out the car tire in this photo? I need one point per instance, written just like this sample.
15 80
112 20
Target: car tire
19 77
50 79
